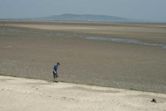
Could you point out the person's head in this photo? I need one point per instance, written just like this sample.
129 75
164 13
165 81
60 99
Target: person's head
58 63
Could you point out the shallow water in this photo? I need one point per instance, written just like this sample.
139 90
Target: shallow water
127 41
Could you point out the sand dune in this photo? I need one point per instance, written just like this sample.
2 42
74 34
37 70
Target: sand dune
19 94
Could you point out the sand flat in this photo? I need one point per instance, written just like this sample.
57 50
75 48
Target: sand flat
31 53
156 32
19 94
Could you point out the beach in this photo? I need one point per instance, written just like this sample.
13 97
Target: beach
19 94
127 56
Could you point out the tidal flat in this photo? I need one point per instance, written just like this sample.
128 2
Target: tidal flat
29 49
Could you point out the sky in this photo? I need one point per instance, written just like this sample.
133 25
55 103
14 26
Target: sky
149 10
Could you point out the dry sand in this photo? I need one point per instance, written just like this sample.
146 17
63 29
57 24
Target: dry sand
18 94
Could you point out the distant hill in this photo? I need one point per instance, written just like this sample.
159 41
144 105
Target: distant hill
85 17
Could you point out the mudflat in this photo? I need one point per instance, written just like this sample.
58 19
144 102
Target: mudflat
130 56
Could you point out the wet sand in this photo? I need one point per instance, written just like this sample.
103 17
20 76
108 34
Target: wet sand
30 49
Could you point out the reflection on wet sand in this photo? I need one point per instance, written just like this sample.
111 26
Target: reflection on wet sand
127 41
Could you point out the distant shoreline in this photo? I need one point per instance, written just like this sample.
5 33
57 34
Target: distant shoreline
77 22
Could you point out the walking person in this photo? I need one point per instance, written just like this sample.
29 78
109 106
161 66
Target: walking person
55 71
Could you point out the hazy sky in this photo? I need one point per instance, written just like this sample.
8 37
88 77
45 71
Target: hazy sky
152 10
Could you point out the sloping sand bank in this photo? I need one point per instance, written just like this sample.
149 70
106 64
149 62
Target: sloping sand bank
18 94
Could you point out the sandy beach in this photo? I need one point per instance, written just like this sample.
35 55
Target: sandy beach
128 56
18 94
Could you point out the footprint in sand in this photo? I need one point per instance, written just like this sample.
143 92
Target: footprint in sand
68 99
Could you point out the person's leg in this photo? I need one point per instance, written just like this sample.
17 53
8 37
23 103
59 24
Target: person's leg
54 75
